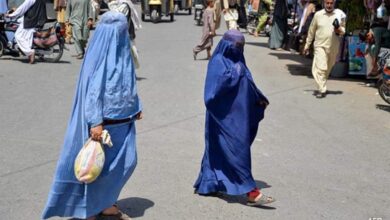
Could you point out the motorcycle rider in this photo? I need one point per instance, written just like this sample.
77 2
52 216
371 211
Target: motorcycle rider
34 16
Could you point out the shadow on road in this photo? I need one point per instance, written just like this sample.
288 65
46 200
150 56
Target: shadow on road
135 206
300 70
140 78
164 19
285 55
328 92
262 185
242 199
383 107
257 44
37 60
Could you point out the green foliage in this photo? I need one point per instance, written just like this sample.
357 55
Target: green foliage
355 13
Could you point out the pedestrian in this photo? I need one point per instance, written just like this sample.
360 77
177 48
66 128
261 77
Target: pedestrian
208 31
217 14
308 9
279 25
230 13
79 16
264 7
127 8
325 30
234 108
106 98
34 16
60 8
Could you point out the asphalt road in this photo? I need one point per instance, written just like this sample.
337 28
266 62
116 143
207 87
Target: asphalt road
321 159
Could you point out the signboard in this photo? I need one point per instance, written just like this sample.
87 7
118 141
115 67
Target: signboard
357 61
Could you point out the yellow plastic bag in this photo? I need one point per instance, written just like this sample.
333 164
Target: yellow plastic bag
90 160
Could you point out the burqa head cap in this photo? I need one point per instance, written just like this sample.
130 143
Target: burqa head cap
235 37
231 46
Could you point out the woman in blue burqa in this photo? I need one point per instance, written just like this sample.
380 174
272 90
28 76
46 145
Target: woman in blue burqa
234 108
106 98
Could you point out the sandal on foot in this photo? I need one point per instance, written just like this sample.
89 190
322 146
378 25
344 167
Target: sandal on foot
261 201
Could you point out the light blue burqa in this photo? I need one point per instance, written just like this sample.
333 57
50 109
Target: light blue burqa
3 6
106 90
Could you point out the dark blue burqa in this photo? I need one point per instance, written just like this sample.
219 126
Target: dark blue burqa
232 117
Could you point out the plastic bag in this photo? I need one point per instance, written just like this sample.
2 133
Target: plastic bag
381 12
90 160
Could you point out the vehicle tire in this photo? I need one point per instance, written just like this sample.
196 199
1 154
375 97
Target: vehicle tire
384 90
1 49
58 50
190 11
172 17
154 16
143 16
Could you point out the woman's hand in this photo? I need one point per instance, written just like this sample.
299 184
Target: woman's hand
139 116
96 133
263 103
90 23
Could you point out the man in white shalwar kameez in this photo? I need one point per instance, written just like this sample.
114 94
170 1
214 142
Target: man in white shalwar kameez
326 39
36 16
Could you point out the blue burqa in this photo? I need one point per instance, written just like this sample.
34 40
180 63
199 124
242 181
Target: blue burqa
232 117
3 6
106 90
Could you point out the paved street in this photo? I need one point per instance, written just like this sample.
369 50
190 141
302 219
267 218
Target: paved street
321 159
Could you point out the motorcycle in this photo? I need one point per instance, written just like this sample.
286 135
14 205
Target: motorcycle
48 44
183 5
198 14
384 80
156 9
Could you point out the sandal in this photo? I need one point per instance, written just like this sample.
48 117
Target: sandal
261 201
111 214
119 215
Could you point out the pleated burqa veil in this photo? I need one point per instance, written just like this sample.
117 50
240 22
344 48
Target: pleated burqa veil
232 117
106 90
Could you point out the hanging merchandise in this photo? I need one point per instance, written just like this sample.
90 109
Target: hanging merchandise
381 11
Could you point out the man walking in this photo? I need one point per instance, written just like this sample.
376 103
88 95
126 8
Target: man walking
60 8
325 29
230 13
79 15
